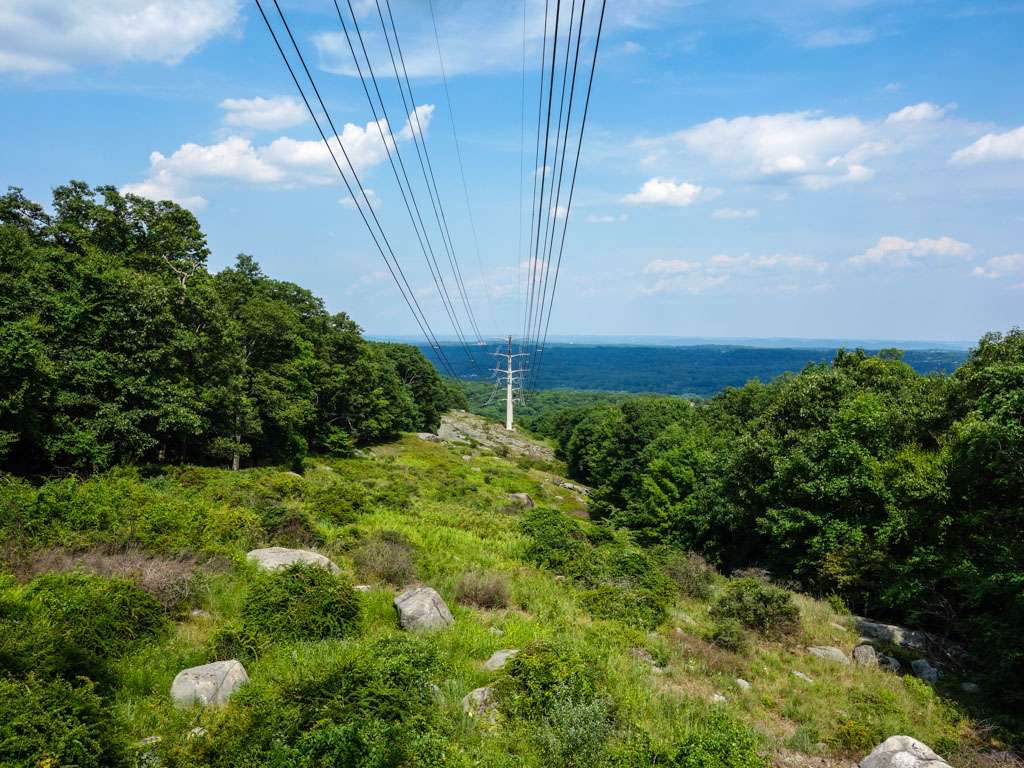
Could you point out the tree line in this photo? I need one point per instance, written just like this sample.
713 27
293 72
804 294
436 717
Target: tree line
118 345
900 494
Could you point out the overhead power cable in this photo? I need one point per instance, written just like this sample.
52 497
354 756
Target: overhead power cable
376 234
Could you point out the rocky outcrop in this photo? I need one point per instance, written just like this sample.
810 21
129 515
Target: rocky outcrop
481 704
276 558
523 500
865 655
829 652
428 437
923 669
890 633
422 608
209 684
903 752
499 659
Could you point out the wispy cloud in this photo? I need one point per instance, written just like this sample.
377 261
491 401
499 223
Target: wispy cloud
659 191
1001 266
993 147
272 113
896 251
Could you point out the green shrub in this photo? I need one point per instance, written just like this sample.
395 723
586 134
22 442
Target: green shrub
575 730
644 608
289 525
758 606
359 705
301 602
482 589
538 676
719 741
851 736
235 640
691 573
27 641
340 502
385 556
729 635
556 541
51 724
94 619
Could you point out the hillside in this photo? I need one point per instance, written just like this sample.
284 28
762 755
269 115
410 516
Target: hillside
626 657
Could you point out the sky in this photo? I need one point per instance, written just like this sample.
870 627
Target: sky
798 168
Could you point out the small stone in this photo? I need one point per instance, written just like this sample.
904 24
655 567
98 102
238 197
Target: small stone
742 684
829 652
499 659
466 458
865 655
480 703
924 670
806 678
209 684
717 698
523 500
197 733
276 558
362 587
902 752
199 613
969 687
422 608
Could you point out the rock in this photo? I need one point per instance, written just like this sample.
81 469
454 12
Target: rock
806 678
742 684
362 587
829 652
890 633
865 655
276 558
499 659
422 608
902 752
889 663
717 698
480 703
969 687
209 684
523 500
428 437
924 670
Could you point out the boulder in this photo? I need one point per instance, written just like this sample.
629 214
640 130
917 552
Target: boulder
924 670
806 678
902 752
209 684
890 633
422 608
480 703
499 659
829 652
523 500
890 663
742 684
276 558
717 698
865 655
428 437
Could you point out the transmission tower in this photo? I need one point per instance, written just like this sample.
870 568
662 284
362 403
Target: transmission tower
511 378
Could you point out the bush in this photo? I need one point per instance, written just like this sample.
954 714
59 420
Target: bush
721 742
691 573
301 602
758 606
386 556
575 730
482 589
52 723
538 676
287 524
644 608
234 640
729 635
93 619
555 540
339 502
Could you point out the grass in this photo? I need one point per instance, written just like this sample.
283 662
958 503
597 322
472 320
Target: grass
450 517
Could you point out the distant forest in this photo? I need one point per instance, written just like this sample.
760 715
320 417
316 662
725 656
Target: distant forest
697 370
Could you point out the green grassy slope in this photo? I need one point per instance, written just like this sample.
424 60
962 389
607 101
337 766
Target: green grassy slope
590 690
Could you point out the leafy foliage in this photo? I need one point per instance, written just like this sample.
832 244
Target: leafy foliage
758 606
301 602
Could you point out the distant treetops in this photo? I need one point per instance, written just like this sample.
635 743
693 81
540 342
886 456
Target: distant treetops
118 345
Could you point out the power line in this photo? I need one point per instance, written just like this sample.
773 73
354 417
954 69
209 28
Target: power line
407 294
426 247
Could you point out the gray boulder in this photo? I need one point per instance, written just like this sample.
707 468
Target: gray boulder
829 652
717 698
276 558
428 437
924 670
742 684
422 608
890 663
499 659
890 633
802 676
903 752
523 500
481 704
865 655
209 684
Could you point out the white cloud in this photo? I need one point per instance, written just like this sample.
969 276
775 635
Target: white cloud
916 113
763 274
900 252
284 161
47 36
659 191
670 266
993 147
778 261
839 36
261 113
1001 266
605 218
736 213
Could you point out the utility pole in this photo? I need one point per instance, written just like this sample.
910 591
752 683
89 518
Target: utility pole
512 381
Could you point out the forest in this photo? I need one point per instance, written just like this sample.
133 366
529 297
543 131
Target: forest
896 494
117 345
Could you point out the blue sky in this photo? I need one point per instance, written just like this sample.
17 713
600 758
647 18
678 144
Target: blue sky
844 168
